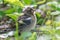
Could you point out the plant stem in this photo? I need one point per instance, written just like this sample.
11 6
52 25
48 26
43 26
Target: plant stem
16 33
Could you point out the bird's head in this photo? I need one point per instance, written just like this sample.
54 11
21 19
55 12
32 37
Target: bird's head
28 11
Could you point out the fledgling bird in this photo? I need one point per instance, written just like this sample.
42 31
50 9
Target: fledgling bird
29 19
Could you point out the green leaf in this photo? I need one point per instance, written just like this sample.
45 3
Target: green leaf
33 36
41 2
15 2
55 13
14 16
40 20
38 14
9 11
58 7
25 35
58 32
19 10
28 2
2 13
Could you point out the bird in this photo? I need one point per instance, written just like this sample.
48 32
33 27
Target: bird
29 19
26 23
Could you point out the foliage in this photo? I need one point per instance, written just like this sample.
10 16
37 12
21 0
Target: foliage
45 14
